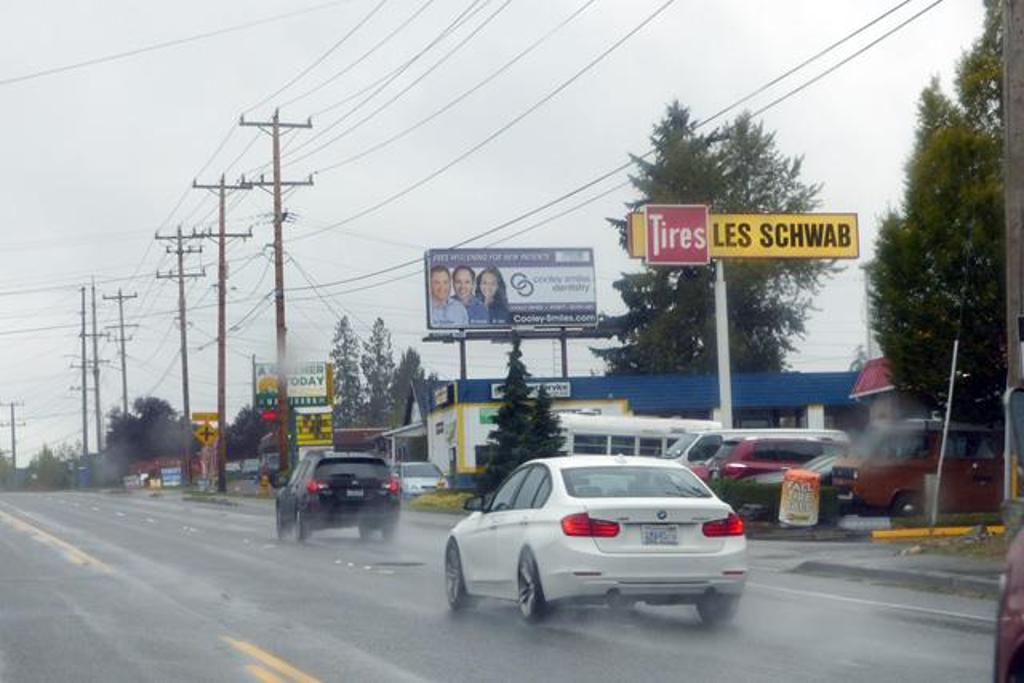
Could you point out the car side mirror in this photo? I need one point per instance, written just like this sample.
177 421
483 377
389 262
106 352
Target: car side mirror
474 504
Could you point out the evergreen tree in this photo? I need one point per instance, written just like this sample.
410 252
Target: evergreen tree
943 249
410 369
670 321
378 365
546 439
511 440
245 432
349 399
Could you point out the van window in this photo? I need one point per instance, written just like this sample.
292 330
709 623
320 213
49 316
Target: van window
590 444
623 445
680 446
787 451
970 445
902 446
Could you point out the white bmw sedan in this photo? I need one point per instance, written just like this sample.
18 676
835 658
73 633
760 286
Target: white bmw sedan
599 529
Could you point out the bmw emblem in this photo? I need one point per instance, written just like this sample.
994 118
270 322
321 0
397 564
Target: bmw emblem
662 514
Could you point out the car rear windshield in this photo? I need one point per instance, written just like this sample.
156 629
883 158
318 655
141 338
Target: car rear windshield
632 482
358 468
420 469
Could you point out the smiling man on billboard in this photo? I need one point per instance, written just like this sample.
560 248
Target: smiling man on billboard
445 311
464 279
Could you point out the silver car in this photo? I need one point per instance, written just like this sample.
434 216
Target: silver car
417 478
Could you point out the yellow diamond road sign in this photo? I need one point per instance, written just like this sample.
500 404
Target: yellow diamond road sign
206 434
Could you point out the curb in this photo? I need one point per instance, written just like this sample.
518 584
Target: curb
924 532
914 579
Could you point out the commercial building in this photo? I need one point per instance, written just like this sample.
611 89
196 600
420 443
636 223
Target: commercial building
448 423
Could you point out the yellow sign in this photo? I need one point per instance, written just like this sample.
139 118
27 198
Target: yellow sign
636 234
205 433
205 417
784 235
314 429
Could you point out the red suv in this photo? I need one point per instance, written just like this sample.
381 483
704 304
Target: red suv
746 457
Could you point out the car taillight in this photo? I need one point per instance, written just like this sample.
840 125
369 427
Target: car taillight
730 526
392 485
582 524
316 486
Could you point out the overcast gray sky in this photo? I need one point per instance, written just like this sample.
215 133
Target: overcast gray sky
97 158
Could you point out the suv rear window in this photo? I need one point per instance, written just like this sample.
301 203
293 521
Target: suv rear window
632 482
359 468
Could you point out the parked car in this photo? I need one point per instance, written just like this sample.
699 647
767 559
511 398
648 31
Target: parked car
416 478
753 455
698 447
885 470
1009 650
337 490
822 465
599 529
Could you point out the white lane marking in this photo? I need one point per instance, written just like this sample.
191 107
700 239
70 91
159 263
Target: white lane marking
150 520
874 603
119 514
95 509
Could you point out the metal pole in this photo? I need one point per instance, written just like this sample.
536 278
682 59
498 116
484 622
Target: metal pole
96 373
85 389
945 434
186 473
565 354
462 358
722 340
14 439
1013 184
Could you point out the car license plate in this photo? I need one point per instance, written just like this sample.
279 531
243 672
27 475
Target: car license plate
354 493
659 534
844 496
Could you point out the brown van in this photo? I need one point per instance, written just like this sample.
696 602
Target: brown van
886 468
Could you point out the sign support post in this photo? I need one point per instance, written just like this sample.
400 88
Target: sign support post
722 342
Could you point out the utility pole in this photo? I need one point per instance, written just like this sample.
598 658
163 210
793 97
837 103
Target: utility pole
1013 184
120 298
222 189
274 128
96 373
13 424
180 249
85 390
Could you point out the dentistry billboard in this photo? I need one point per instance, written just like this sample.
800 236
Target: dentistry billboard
503 288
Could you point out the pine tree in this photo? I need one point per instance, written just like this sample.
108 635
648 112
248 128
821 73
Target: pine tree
511 440
349 400
410 369
669 325
546 439
378 365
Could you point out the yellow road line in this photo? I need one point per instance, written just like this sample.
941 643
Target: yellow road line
883 534
71 553
274 662
261 674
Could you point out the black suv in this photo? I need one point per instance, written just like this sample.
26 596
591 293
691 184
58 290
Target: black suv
336 490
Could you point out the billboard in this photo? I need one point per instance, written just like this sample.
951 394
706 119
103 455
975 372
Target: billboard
309 384
502 288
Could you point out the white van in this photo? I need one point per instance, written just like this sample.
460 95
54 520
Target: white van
693 448
626 435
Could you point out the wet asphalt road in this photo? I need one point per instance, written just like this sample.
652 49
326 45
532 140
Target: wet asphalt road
105 587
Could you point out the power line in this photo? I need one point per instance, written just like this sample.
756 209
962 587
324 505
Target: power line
409 86
319 60
451 103
165 44
522 115
614 171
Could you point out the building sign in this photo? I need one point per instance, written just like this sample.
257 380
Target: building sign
502 288
554 389
314 429
677 235
782 236
488 416
309 384
170 476
444 395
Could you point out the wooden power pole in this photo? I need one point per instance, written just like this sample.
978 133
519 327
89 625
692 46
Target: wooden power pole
222 235
120 298
274 128
85 389
180 249
1013 183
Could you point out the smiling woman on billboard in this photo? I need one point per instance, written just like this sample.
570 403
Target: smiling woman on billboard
490 289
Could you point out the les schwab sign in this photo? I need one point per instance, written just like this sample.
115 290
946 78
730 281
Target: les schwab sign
689 235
